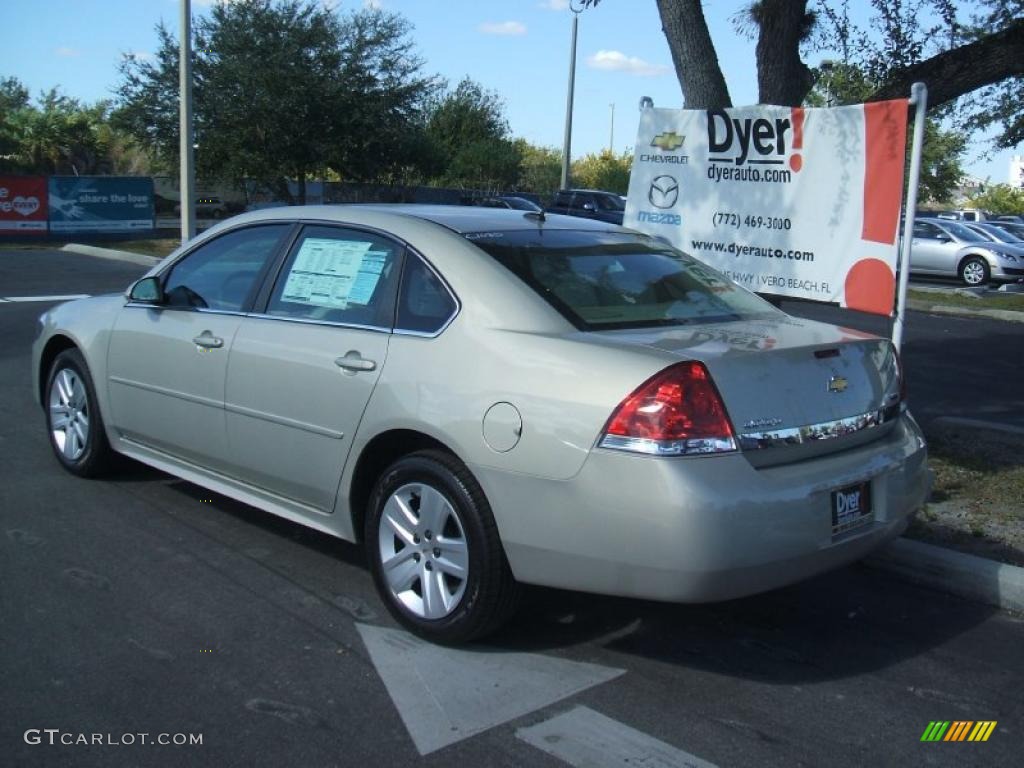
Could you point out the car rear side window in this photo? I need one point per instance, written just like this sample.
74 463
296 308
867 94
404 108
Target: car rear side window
339 275
425 304
222 273
606 280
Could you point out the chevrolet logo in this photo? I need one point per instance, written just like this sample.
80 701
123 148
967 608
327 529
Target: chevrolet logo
668 141
837 384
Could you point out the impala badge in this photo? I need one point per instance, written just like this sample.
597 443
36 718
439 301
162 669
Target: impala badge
837 384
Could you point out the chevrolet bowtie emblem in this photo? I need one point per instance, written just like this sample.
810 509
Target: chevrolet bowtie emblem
837 384
668 141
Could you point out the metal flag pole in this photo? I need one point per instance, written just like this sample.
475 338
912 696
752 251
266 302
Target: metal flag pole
918 99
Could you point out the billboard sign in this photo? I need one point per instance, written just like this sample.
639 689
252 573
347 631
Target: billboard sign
789 201
23 205
100 204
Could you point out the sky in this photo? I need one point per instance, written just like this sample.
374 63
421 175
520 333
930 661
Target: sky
519 48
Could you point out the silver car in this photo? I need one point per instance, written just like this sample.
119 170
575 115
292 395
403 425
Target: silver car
953 249
997 233
489 398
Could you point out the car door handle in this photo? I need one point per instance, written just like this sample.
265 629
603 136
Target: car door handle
208 341
353 361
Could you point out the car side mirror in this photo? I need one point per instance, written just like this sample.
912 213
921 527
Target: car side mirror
589 207
147 291
943 238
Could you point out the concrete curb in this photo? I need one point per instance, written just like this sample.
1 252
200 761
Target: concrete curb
110 253
991 426
1008 315
968 576
958 573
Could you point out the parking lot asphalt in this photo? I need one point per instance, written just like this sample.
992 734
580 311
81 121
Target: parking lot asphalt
141 604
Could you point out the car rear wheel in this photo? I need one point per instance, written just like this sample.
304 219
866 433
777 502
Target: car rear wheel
435 552
974 271
73 419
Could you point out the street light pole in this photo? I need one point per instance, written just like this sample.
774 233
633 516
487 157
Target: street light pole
611 136
187 183
567 143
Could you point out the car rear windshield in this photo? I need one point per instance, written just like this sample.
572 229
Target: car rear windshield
607 280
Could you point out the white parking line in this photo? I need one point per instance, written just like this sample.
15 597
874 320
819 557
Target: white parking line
582 737
445 695
67 297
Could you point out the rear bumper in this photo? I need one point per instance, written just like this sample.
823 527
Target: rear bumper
705 528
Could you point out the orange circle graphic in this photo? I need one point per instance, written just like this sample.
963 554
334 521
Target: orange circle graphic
870 287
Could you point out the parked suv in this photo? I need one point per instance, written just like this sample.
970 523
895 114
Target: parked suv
207 207
966 214
589 204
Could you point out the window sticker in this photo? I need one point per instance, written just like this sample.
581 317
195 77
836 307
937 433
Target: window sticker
368 276
334 273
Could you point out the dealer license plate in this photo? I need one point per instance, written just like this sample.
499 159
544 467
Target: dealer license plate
851 508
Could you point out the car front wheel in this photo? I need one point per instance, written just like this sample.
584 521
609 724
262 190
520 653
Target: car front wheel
435 552
974 271
73 419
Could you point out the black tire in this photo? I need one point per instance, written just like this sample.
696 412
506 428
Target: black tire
490 592
970 266
96 456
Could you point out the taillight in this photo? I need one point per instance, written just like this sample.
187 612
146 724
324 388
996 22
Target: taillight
677 412
901 378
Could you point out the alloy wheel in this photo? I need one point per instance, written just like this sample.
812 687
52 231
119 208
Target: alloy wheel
69 414
974 273
423 549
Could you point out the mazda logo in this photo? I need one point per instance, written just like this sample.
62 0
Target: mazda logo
664 192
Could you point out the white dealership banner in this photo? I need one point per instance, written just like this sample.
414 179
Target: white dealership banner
788 201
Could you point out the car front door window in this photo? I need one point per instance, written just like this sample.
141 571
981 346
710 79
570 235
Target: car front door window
222 274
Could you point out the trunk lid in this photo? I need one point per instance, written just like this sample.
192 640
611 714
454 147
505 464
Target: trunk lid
793 388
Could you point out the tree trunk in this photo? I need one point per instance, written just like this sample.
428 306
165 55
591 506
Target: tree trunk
782 77
959 71
282 191
693 54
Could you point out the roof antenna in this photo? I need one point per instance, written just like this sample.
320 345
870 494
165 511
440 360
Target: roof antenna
538 215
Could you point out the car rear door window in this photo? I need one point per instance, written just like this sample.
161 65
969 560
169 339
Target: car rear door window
339 275
223 273
425 304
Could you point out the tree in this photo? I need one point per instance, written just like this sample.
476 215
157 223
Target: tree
604 170
1000 198
469 139
941 166
60 135
283 91
980 56
540 169
13 99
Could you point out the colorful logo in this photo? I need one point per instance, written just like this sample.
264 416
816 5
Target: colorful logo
959 730
668 141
